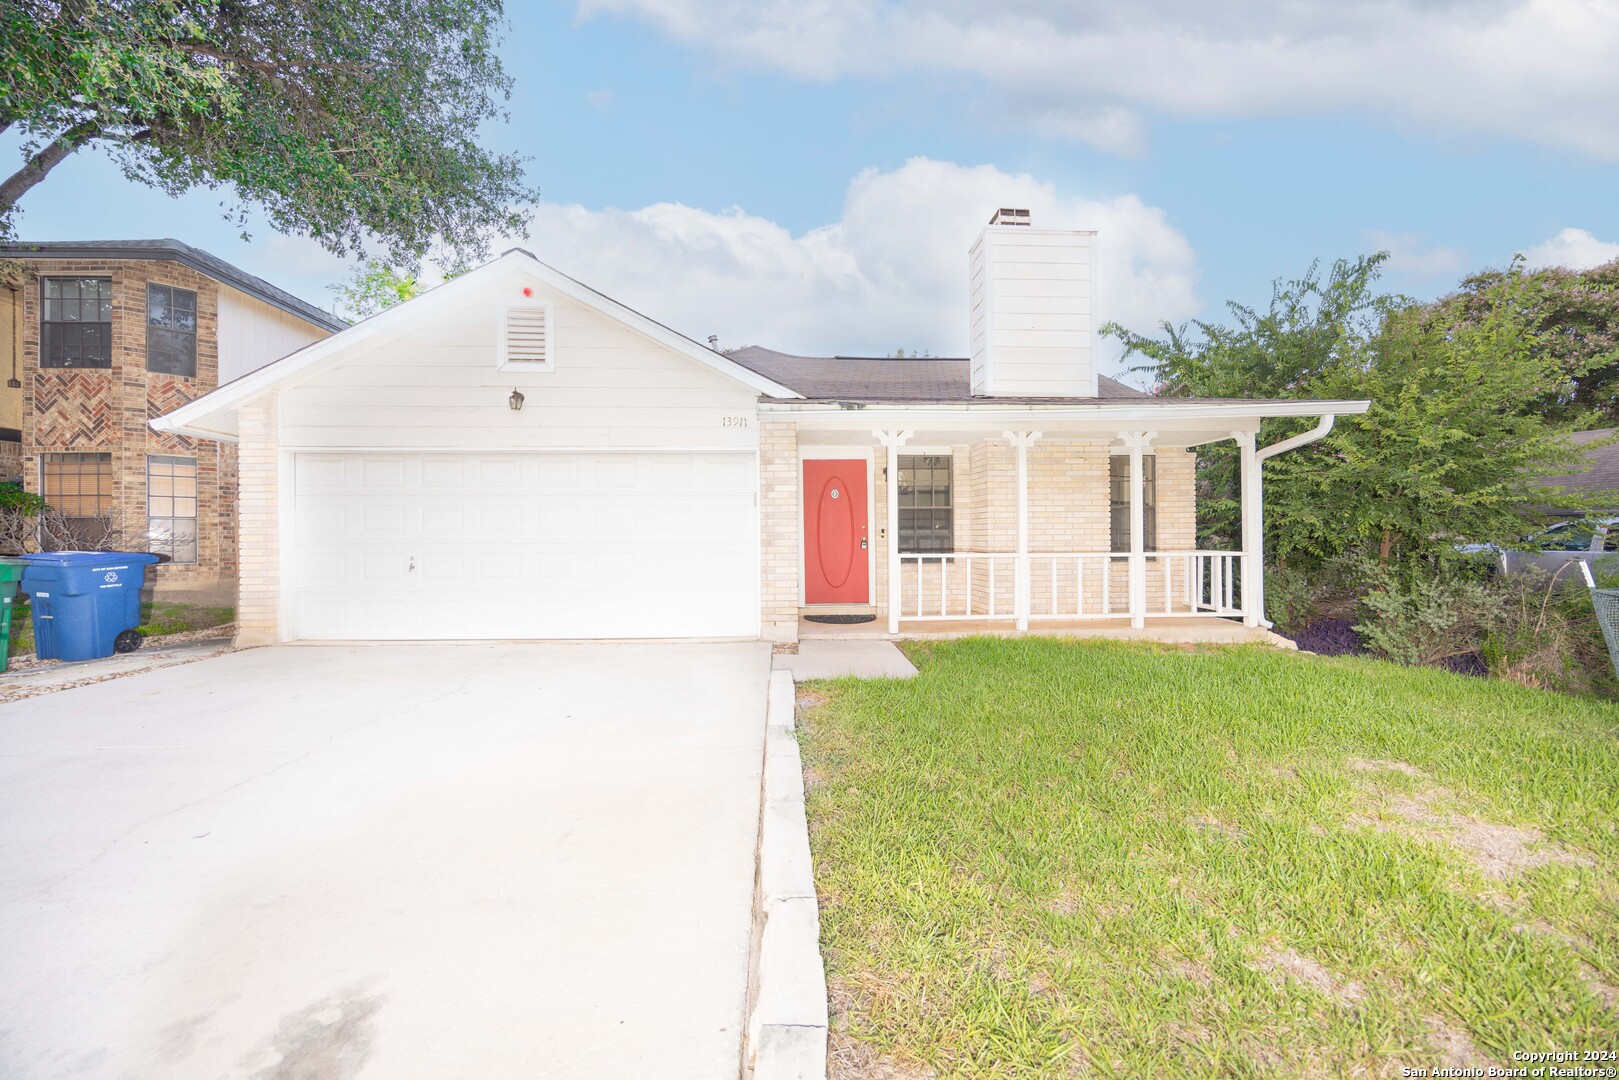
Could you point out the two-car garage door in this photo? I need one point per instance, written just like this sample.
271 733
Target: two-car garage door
476 546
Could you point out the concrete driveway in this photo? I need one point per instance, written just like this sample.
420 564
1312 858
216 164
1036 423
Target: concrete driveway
398 861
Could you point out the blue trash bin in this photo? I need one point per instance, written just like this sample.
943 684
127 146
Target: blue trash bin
84 602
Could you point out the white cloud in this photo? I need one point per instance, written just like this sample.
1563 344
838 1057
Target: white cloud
1541 70
1573 248
1408 258
599 99
890 273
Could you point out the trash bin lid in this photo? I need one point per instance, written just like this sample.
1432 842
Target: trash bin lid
88 558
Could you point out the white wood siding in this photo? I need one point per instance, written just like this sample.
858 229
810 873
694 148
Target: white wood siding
1033 319
253 333
442 388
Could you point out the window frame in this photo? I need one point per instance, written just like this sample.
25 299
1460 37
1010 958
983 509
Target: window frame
172 461
910 529
105 501
52 354
1118 506
168 332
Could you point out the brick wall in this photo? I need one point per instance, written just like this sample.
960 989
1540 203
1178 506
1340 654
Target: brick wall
258 605
780 527
105 410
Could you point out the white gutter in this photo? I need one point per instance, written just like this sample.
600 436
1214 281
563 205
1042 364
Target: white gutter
1305 438
853 414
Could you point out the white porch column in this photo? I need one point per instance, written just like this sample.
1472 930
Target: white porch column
1253 531
1137 442
893 440
1021 441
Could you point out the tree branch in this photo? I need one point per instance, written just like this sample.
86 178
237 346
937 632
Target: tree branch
36 168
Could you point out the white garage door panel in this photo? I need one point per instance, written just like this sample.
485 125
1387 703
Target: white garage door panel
396 546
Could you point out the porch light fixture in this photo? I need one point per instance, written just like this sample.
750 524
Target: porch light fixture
516 400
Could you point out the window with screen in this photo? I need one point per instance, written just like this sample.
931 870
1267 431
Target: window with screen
79 488
75 323
171 330
1119 490
171 507
926 504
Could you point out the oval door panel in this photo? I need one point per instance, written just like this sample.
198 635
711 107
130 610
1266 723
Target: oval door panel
837 542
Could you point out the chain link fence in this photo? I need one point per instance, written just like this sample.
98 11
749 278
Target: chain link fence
1606 601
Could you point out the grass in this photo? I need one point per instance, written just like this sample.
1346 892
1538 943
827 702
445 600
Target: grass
1045 858
158 619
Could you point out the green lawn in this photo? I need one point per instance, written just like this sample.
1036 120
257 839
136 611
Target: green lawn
1048 858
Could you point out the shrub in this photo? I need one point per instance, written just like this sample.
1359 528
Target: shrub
1547 636
1424 617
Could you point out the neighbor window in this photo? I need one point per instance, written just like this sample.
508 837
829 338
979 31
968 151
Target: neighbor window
171 330
1119 491
926 504
78 487
75 322
171 507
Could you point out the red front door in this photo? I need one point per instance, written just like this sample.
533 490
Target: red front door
837 567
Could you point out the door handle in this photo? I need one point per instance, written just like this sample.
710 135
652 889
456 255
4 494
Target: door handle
412 563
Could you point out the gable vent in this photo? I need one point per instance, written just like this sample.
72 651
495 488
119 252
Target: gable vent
527 338
526 335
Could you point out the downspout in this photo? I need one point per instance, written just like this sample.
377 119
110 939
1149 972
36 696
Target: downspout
1313 435
1254 573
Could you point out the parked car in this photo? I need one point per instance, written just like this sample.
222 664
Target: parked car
1593 541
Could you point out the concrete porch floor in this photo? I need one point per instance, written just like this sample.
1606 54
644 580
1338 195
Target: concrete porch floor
1185 630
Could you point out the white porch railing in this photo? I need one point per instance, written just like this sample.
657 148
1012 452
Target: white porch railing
1065 585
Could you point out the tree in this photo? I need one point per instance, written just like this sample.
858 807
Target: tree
1456 432
373 287
1574 315
351 121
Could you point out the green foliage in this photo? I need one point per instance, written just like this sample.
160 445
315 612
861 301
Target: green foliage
1456 433
372 287
14 500
1574 315
351 122
1546 635
1423 619
1290 598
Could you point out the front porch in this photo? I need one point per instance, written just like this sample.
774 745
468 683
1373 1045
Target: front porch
1079 528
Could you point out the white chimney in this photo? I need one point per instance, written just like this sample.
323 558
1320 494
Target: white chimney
1033 316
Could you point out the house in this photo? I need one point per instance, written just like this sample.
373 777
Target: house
104 335
515 455
1599 478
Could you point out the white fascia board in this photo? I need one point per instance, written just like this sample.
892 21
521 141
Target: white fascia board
201 419
989 415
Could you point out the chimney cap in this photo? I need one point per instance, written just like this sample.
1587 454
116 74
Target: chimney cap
1010 216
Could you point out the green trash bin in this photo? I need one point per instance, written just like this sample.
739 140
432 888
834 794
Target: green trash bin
10 573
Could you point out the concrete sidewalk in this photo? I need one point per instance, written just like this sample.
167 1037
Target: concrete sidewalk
385 862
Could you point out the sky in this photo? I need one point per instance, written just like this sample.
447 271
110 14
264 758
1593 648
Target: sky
808 175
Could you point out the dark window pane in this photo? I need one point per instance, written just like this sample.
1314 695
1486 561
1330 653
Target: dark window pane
75 329
171 330
157 305
171 352
926 522
1119 499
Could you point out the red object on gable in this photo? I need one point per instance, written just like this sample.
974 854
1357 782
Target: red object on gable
837 566
527 291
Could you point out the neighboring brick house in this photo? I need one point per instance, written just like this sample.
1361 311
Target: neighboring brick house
514 455
105 335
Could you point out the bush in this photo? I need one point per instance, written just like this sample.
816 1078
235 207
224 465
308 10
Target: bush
1547 636
1424 617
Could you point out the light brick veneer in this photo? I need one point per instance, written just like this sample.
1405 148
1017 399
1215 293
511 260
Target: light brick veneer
780 527
258 606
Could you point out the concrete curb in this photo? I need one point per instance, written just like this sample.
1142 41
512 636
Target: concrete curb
788 1022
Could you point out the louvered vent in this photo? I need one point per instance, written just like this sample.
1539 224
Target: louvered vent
527 335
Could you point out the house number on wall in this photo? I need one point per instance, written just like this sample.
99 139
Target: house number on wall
734 421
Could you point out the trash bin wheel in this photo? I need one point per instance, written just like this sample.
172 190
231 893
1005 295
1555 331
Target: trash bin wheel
128 641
